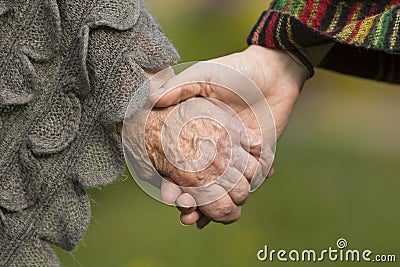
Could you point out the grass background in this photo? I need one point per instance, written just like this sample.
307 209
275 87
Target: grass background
337 170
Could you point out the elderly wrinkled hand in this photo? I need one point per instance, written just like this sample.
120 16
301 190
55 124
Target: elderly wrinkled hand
202 148
203 152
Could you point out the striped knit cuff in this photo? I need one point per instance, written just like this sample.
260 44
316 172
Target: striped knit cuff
366 34
276 29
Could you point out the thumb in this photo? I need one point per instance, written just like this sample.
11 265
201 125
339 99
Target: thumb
169 192
190 83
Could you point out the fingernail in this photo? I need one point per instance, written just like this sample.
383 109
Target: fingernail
186 225
186 209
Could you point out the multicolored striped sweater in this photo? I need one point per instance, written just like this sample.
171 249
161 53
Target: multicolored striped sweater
366 33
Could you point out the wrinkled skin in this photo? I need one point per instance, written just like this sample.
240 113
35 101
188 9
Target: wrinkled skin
197 145
277 75
225 181
279 78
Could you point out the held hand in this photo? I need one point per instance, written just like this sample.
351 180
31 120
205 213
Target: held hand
229 171
278 76
199 146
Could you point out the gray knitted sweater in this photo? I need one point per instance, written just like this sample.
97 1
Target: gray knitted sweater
68 69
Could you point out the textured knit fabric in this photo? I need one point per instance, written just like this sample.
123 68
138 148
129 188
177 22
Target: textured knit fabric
366 33
68 69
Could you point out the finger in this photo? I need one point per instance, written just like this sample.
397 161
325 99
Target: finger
207 193
172 95
186 203
235 184
185 85
190 218
169 191
251 142
202 222
231 178
245 163
222 210
240 193
158 77
266 161
271 172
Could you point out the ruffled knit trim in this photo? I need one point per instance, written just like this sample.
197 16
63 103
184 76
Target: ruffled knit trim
95 166
98 78
16 65
18 68
65 222
119 15
56 131
4 8
19 83
36 254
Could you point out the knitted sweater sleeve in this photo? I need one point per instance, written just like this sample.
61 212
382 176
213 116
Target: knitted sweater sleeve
68 69
365 33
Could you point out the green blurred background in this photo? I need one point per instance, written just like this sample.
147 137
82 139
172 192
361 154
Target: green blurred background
337 170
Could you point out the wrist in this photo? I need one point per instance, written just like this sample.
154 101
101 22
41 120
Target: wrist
281 69
283 80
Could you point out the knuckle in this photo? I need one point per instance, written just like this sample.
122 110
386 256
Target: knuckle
240 193
235 217
224 211
242 196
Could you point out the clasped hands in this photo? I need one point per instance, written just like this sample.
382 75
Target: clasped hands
207 141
